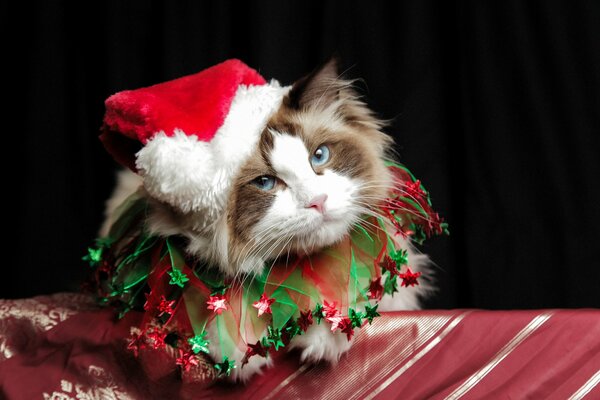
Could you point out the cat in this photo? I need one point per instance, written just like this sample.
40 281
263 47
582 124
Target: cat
318 167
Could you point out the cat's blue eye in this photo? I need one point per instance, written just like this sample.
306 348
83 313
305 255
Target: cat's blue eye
320 156
264 182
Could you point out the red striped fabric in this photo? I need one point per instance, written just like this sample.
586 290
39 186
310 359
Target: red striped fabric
63 347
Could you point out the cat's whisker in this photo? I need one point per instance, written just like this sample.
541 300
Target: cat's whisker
377 185
251 274
277 243
407 210
255 248
388 188
289 239
273 245
398 186
369 225
369 206
258 250
257 237
259 241
410 196
367 214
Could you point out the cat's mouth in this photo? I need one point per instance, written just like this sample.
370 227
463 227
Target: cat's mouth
318 220
323 231
320 216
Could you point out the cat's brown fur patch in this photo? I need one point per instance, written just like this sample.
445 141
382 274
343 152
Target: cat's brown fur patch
247 203
343 123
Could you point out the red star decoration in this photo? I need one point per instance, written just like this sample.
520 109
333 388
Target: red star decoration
405 232
254 349
332 314
409 278
375 289
413 190
186 360
346 327
150 301
158 336
330 309
305 319
389 205
400 230
165 306
135 343
435 223
217 303
336 321
263 305
389 265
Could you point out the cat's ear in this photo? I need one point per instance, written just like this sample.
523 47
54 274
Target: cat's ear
320 88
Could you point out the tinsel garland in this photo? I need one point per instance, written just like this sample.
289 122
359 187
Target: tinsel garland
182 298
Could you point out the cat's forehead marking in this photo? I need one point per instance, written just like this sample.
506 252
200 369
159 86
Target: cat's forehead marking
289 156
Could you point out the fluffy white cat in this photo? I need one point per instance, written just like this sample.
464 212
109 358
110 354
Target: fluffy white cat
317 169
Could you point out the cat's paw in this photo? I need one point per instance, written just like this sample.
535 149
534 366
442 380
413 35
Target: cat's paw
318 343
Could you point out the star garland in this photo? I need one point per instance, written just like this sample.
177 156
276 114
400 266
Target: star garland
177 278
305 320
217 303
409 278
263 305
274 337
371 313
225 367
199 343
186 360
391 285
121 279
94 256
318 313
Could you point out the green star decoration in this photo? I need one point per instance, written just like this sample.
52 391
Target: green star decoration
265 342
199 343
293 329
274 337
94 256
419 235
444 226
318 313
356 317
177 277
400 257
225 367
371 312
221 289
391 285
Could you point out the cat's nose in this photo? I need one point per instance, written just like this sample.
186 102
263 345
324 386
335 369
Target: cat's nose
318 203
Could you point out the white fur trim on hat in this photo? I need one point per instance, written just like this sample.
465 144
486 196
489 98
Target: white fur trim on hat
194 175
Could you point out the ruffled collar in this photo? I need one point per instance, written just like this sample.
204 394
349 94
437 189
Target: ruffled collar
182 299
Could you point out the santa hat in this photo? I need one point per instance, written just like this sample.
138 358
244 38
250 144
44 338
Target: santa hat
188 137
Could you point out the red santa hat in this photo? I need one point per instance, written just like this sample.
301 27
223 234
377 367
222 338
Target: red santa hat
188 137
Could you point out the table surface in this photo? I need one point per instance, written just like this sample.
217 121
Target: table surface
64 347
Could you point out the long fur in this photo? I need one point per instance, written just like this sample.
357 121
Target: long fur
251 227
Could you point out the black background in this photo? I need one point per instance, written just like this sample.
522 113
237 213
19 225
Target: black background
494 107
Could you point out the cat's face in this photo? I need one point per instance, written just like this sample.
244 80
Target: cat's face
317 169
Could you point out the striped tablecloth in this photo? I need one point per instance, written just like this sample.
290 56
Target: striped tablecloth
64 347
